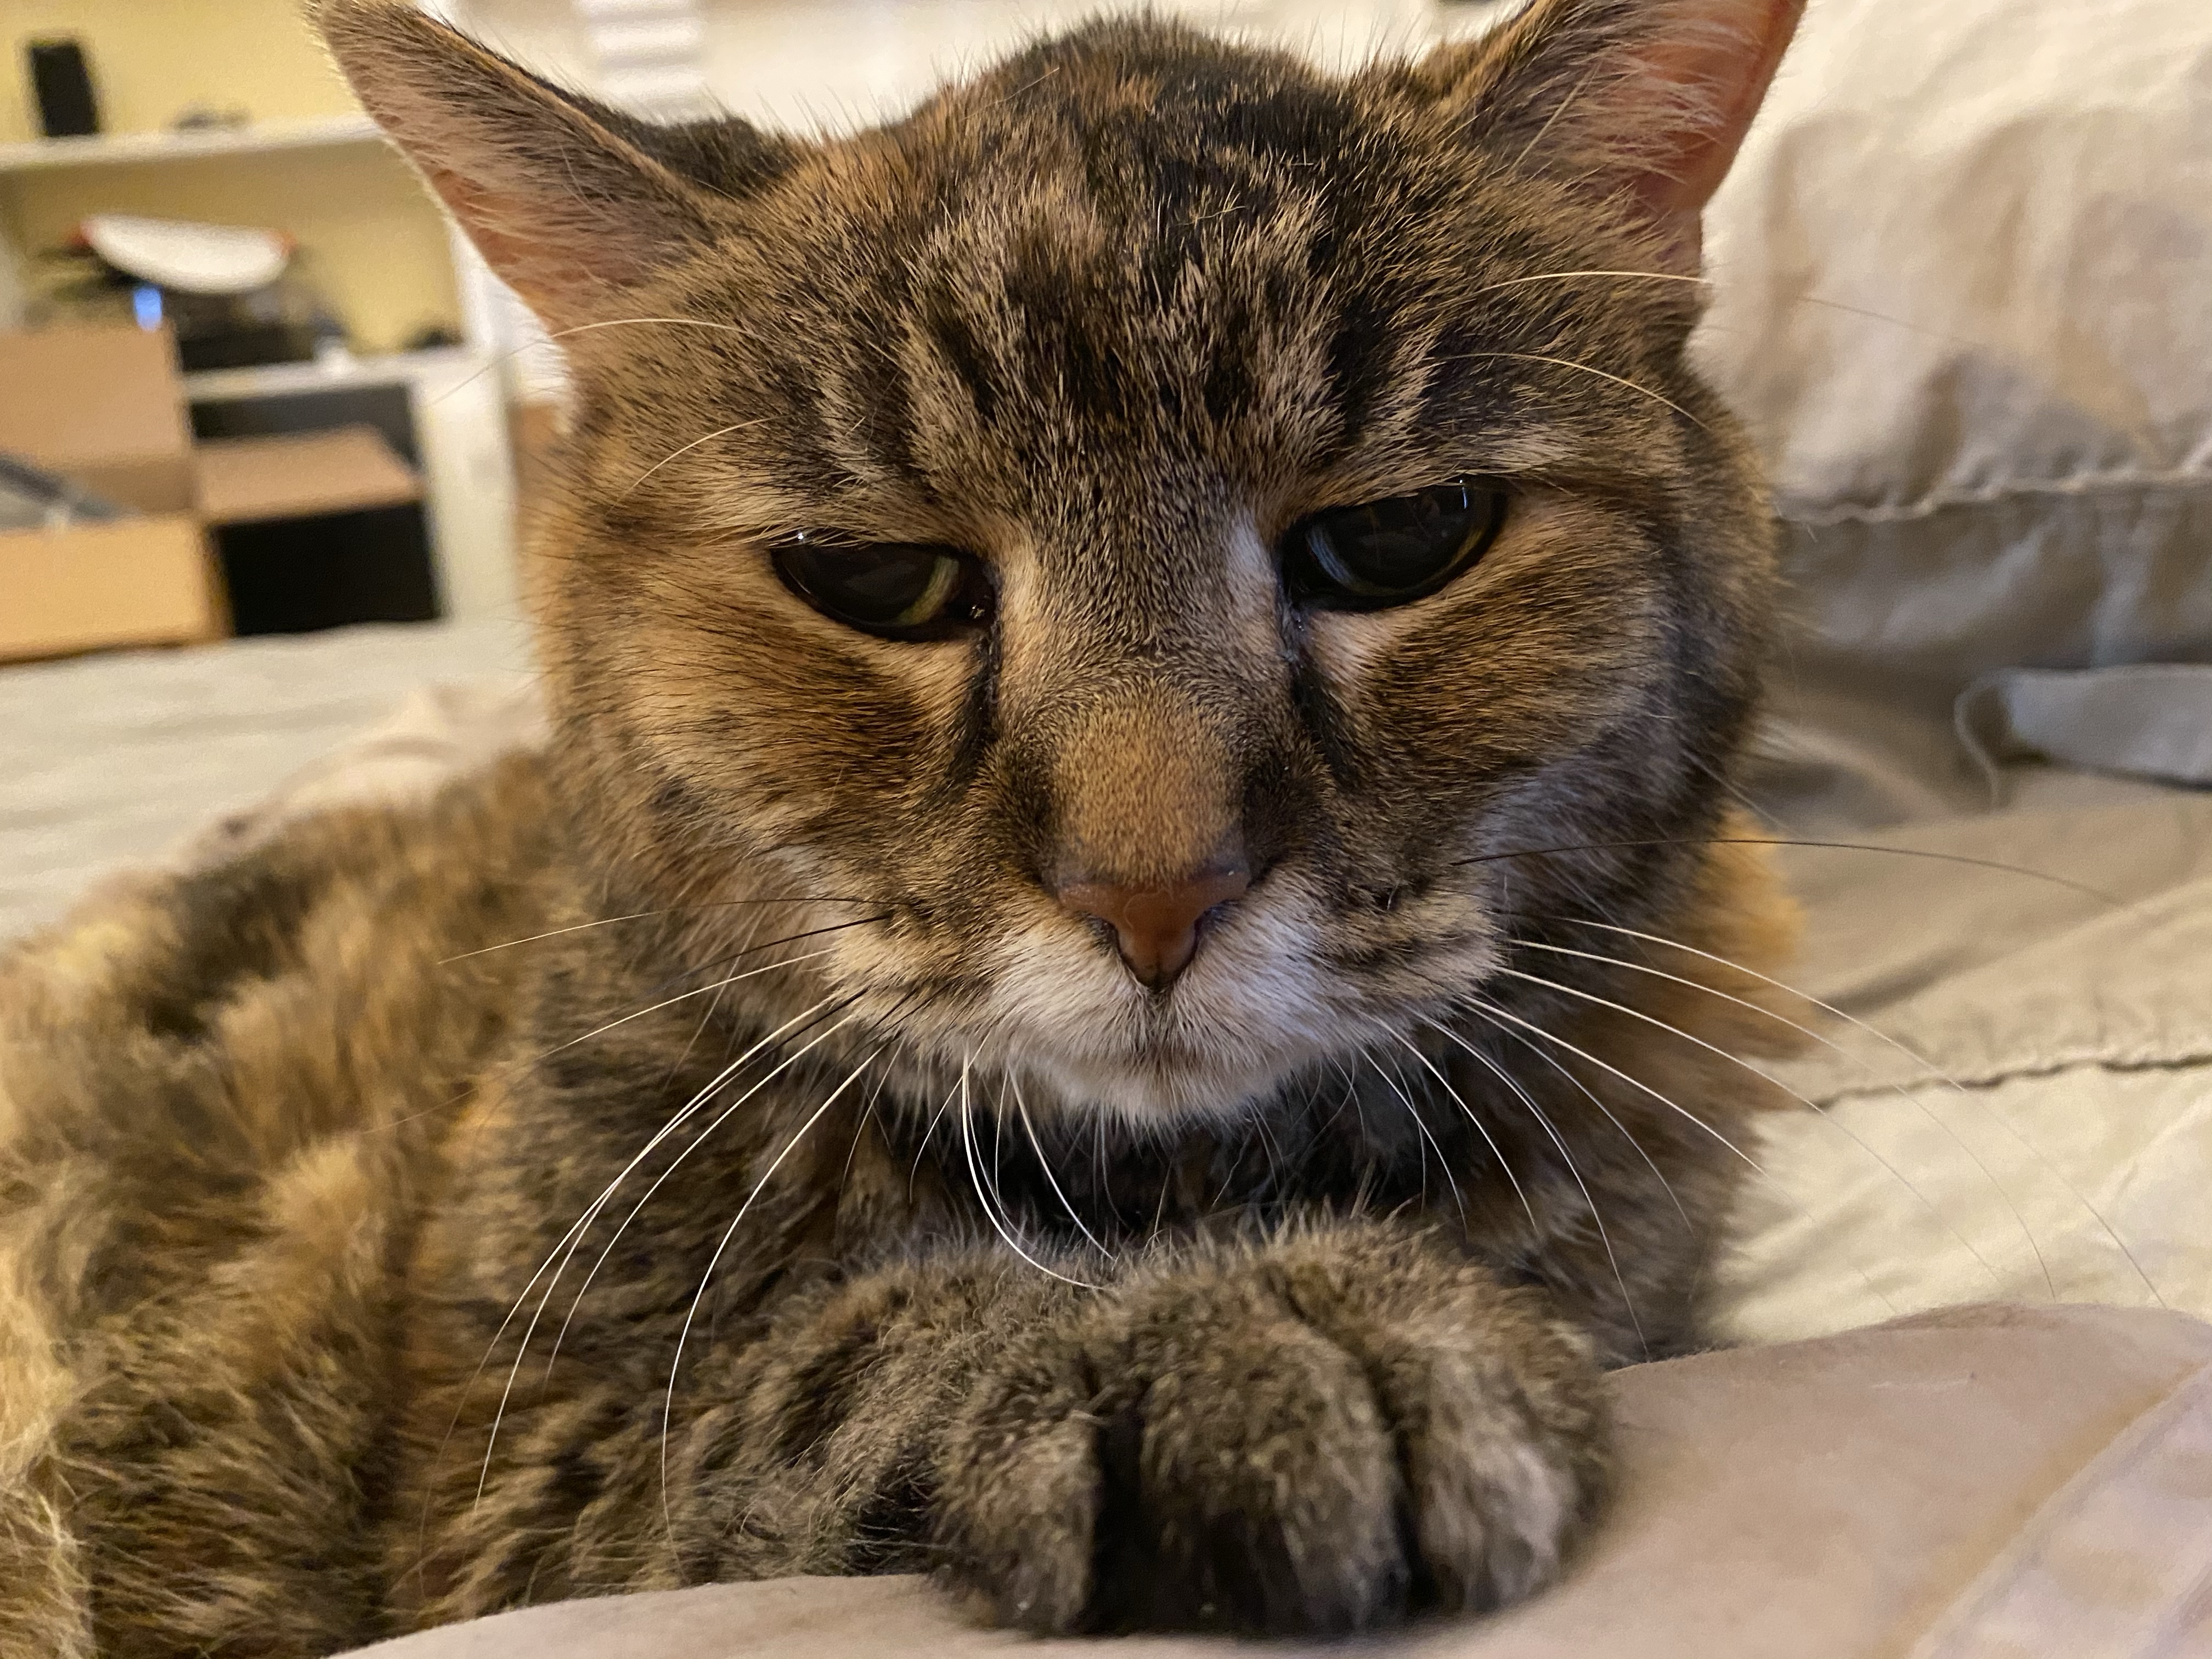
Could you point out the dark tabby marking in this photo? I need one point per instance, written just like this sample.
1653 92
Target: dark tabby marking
815 1188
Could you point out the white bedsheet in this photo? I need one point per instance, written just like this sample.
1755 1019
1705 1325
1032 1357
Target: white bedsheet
109 760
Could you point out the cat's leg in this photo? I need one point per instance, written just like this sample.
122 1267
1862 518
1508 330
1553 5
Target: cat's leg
1319 1431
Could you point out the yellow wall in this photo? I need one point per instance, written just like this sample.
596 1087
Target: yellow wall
150 58
371 242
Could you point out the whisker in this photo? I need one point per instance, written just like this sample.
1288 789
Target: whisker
634 322
976 1175
569 1240
789 939
1877 1033
1045 1164
1530 1100
1843 1129
1459 1200
508 1068
1989 1174
1569 362
719 432
636 915
513 352
1780 841
1535 1227
1595 1099
669 1002
929 1130
692 1313
638 1209
1492 1011
860 1128
1707 281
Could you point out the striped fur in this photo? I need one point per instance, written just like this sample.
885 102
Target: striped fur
883 1221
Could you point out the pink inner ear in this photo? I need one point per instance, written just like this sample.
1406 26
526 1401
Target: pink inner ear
1711 83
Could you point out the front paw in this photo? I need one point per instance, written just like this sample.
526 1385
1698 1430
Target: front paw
1316 1435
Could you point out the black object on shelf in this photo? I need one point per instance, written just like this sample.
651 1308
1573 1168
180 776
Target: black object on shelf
62 84
296 575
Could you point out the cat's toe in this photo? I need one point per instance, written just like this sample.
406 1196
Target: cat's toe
1194 1456
1019 1490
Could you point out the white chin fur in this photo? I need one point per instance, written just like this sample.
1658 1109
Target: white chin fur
1253 1010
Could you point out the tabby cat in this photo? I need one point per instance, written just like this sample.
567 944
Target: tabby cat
1120 649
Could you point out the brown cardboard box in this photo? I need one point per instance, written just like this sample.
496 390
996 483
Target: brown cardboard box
105 407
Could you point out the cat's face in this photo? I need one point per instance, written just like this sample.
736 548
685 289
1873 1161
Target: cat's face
984 565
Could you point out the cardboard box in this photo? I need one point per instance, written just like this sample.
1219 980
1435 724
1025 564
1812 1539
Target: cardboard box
131 581
106 407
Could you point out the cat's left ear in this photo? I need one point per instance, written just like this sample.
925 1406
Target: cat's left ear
563 197
1647 101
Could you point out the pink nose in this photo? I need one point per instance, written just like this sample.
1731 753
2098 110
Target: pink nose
1157 927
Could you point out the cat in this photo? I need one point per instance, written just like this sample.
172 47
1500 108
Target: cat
1120 649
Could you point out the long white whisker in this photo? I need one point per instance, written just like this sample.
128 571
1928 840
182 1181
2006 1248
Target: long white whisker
1492 1011
1881 1036
719 985
1591 1094
975 1174
928 1130
1045 1164
1734 1060
1989 1174
674 1163
1535 1227
719 432
565 1250
1569 362
1530 1100
675 1365
585 328
1459 1199
1706 282
638 915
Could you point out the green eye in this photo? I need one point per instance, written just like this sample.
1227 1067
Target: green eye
896 590
1390 552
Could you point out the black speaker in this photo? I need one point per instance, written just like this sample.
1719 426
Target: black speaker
63 85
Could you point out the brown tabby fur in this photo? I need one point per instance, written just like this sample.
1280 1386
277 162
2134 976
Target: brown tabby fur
1265 1301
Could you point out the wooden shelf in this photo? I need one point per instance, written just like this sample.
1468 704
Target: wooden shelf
209 385
115 148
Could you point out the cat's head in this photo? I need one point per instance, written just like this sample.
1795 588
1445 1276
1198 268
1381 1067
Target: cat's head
1140 524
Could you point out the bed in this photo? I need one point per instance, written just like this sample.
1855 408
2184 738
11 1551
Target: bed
1962 298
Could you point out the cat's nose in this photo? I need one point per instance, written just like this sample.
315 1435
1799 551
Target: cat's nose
1156 927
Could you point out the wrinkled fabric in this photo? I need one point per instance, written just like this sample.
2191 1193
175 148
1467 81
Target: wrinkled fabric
1963 297
2146 721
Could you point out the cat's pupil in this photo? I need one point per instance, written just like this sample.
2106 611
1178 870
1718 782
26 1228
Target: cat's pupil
1394 551
901 589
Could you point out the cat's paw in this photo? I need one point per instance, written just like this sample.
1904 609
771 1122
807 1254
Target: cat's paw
1320 1434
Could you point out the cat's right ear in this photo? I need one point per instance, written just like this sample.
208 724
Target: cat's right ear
1642 102
566 210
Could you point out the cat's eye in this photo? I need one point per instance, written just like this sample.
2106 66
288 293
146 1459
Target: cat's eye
1390 552
896 590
